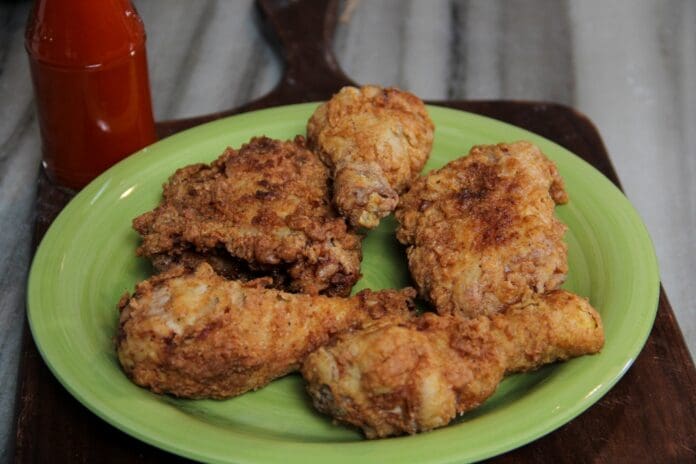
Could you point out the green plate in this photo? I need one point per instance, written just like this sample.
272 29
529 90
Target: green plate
87 261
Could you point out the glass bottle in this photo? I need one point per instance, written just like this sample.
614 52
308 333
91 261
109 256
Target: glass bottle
89 70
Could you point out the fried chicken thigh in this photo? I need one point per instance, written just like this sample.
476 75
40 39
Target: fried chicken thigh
376 141
481 231
198 335
262 210
419 375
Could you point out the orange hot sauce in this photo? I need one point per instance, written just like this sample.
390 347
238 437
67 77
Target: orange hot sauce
89 70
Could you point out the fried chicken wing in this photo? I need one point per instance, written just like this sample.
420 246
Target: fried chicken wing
481 231
418 375
262 210
375 141
196 334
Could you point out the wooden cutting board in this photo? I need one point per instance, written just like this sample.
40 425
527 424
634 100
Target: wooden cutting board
649 416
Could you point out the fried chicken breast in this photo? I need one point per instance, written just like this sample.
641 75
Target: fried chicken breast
375 141
198 335
418 375
262 210
481 231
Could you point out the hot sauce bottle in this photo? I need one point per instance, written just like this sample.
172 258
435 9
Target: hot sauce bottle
89 71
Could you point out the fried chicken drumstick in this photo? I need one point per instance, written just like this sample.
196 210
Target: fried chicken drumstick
196 334
262 210
481 231
375 141
419 375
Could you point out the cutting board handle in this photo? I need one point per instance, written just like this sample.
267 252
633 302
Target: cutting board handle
304 30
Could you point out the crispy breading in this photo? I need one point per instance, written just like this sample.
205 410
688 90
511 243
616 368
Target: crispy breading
481 231
262 210
375 140
418 375
196 334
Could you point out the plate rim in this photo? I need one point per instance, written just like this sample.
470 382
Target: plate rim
121 421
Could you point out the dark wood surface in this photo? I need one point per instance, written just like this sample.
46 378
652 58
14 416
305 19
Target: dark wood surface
649 416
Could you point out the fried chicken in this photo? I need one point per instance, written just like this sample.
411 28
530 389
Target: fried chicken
376 141
416 376
262 210
198 335
481 231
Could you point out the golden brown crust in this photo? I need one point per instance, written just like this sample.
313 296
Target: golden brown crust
552 327
261 210
481 231
375 141
195 334
417 375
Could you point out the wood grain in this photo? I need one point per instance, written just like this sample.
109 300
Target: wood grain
647 417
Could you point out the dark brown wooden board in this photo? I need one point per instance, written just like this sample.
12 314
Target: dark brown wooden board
649 416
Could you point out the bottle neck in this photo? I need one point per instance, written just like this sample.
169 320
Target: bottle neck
84 33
